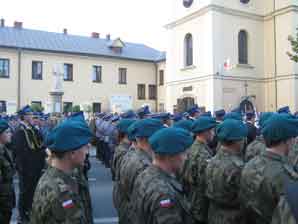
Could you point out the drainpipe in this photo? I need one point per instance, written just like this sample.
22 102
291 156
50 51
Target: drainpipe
19 78
156 83
275 55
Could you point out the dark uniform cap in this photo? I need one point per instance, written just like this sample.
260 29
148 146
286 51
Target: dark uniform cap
162 116
285 110
147 127
170 141
207 114
264 117
124 124
115 118
231 130
25 110
280 127
70 135
193 110
177 117
129 115
202 124
220 113
233 115
250 115
3 125
184 124
143 111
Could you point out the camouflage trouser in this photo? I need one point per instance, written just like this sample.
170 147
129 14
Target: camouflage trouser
120 204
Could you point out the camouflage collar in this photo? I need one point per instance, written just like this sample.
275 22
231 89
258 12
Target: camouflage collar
274 156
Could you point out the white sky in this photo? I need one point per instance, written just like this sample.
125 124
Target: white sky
139 21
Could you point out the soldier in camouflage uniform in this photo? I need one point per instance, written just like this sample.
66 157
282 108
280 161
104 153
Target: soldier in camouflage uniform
121 150
195 165
258 146
58 197
286 211
158 197
7 171
135 161
223 175
263 177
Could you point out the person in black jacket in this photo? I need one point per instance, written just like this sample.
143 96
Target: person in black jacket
30 161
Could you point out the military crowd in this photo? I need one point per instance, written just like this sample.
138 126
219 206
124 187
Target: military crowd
236 167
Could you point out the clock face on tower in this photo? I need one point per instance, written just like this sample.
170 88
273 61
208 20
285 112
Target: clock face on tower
187 3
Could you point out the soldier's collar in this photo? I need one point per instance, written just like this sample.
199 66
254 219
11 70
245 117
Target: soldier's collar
274 156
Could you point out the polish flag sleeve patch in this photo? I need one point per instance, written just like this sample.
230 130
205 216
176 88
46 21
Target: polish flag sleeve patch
166 203
68 204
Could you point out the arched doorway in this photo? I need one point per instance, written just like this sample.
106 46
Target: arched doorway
185 103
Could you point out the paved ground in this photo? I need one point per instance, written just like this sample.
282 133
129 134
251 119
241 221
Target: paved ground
101 193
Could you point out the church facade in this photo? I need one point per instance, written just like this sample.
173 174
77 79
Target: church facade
221 53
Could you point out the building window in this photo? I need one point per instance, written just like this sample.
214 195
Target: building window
36 104
141 91
67 107
161 107
244 1
243 47
152 92
122 75
161 77
68 72
96 107
96 73
37 70
188 50
4 68
3 106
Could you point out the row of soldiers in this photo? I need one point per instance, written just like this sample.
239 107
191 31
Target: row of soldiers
23 151
172 174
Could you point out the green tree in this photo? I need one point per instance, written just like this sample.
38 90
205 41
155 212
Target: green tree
36 107
294 42
76 108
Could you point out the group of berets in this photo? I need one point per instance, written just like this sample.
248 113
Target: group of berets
186 168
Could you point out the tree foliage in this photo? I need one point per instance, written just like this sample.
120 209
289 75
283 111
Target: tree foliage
294 43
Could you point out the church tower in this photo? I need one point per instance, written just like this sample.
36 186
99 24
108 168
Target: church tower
223 52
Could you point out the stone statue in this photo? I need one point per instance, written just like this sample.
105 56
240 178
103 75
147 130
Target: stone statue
58 78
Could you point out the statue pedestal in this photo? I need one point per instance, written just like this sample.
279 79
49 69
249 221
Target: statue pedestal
56 98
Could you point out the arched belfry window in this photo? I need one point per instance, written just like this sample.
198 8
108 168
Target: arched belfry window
243 47
188 49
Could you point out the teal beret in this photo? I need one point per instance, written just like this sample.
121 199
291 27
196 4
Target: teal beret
203 123
147 127
70 135
124 124
3 125
263 117
184 124
231 130
280 127
233 115
131 132
170 141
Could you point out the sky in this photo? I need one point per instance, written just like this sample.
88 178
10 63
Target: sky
138 21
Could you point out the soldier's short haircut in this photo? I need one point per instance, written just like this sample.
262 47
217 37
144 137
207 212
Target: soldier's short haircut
58 155
270 143
228 143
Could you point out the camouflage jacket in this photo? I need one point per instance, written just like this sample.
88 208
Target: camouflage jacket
194 179
132 165
262 183
7 171
223 182
283 213
293 156
84 193
119 153
159 199
57 200
255 148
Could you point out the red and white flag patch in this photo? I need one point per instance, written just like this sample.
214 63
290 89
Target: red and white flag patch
68 204
167 203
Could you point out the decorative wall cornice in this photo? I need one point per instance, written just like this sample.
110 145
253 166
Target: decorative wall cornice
233 12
